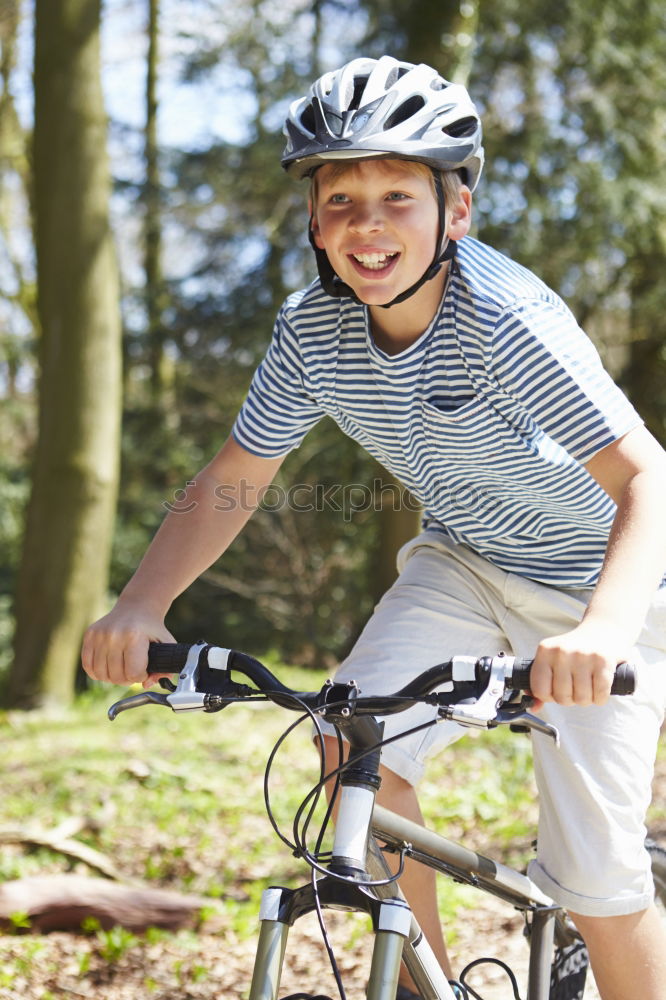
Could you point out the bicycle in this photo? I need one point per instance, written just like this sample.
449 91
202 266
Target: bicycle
355 874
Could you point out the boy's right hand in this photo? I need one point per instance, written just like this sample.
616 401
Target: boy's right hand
115 648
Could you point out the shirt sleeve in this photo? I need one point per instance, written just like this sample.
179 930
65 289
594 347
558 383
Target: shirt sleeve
543 358
278 411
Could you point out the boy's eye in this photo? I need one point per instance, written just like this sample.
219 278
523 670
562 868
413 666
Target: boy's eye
396 196
338 199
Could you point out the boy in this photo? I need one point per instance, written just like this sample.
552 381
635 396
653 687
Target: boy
543 492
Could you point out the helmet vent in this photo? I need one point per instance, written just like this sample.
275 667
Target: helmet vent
461 129
392 78
308 119
404 112
359 86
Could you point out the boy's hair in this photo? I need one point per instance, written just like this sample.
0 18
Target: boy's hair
451 180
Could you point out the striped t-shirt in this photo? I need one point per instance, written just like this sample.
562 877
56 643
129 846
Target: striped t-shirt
488 418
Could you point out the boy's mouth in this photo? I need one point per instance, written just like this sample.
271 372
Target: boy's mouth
376 261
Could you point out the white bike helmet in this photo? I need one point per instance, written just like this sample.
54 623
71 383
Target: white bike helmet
385 108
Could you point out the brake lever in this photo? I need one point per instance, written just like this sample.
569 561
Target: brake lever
182 698
135 701
520 717
488 710
479 712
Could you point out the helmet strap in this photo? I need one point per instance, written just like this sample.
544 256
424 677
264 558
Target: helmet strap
445 249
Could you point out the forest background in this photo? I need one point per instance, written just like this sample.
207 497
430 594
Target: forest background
148 236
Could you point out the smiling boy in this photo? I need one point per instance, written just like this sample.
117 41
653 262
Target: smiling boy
470 380
376 221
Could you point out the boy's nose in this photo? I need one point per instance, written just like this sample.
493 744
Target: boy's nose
366 218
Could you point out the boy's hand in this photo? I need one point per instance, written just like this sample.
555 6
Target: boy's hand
115 648
577 668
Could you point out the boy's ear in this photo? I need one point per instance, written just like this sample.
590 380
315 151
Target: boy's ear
314 228
460 218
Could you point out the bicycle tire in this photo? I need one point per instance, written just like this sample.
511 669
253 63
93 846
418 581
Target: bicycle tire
658 857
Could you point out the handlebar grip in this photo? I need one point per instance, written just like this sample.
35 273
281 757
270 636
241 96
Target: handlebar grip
167 657
624 681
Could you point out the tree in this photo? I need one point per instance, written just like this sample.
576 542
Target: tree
63 571
156 297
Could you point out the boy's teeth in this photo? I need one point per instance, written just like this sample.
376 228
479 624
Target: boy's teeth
374 260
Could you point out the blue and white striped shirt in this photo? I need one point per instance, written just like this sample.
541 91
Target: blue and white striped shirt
488 418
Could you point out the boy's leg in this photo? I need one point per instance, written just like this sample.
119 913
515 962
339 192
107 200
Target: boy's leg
627 953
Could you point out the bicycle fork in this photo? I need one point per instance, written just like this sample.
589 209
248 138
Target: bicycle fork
281 907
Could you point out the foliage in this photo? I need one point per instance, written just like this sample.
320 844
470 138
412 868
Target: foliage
13 497
295 578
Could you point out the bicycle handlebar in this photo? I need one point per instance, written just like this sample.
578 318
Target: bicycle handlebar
482 692
171 658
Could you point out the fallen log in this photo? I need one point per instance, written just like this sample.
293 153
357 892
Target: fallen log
63 902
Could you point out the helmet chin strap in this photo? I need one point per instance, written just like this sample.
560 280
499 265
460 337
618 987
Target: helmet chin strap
445 249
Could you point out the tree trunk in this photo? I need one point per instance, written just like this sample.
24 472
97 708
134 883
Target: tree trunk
69 523
155 291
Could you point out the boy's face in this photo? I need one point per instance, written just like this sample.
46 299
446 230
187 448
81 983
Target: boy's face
378 223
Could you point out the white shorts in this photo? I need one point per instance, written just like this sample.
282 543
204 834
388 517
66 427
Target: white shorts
595 789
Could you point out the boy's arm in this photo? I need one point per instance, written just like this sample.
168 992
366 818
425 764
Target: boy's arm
215 508
577 667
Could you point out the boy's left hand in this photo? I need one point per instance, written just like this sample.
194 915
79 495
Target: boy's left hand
577 668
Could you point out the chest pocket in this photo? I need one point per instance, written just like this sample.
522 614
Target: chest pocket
476 434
